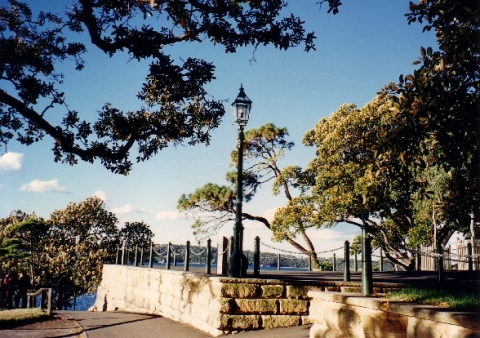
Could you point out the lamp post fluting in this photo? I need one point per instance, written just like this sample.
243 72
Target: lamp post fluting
238 264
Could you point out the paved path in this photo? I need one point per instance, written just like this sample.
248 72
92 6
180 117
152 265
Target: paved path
85 324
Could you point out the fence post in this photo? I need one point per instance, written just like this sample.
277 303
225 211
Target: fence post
334 262
346 255
150 257
256 257
381 259
169 254
441 275
278 262
124 253
470 256
355 261
367 284
418 260
186 264
118 258
208 259
49 301
310 262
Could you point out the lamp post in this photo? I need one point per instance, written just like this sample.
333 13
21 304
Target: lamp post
241 113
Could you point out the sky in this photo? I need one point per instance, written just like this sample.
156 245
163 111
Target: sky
367 45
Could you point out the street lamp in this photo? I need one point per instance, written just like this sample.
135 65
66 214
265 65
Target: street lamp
241 113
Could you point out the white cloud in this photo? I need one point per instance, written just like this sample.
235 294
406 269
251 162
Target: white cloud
168 215
10 162
128 209
43 186
100 194
269 213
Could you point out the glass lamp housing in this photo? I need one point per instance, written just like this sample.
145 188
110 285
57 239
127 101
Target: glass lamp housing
241 108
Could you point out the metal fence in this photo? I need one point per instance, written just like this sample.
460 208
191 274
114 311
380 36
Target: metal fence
426 258
464 257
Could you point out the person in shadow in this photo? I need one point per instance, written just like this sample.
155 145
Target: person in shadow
24 285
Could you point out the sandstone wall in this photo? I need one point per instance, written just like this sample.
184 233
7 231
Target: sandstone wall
220 305
340 316
216 305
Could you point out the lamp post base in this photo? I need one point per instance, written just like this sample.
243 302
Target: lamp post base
238 265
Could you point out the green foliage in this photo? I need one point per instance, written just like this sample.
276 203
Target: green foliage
441 99
174 105
20 239
356 245
452 299
406 166
82 237
136 235
66 252
213 206
15 317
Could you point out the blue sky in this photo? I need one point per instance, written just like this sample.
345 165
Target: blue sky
368 44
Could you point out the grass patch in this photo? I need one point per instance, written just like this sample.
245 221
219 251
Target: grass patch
16 317
452 299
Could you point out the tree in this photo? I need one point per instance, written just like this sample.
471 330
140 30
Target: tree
20 237
136 235
341 187
82 237
175 107
441 101
213 206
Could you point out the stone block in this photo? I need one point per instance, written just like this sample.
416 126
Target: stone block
297 291
273 321
350 289
293 306
256 306
272 291
427 328
226 305
382 324
240 290
245 322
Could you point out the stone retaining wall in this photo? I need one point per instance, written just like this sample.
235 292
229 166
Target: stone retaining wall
220 305
351 315
216 305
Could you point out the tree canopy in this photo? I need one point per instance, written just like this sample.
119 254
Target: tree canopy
174 106
440 101
66 252
213 206
407 165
